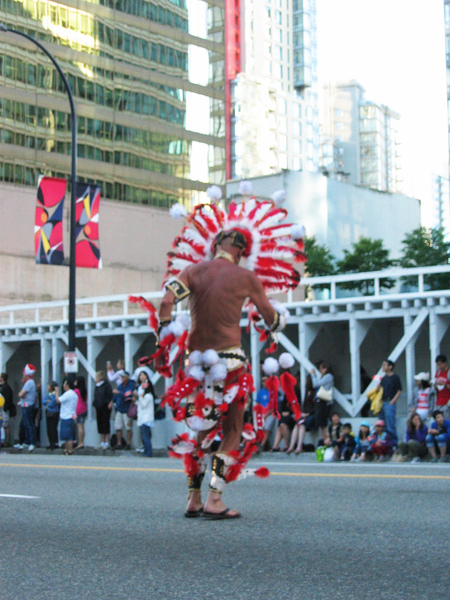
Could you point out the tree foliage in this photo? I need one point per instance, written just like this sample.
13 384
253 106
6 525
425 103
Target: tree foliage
320 260
425 247
366 255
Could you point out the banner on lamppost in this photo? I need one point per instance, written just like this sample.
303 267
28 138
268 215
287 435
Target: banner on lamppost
87 251
48 230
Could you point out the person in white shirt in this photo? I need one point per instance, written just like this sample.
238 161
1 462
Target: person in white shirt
68 401
114 376
146 411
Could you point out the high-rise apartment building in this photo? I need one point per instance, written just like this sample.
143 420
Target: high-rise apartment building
359 138
274 98
147 96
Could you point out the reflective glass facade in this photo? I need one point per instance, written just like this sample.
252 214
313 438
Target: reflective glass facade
149 102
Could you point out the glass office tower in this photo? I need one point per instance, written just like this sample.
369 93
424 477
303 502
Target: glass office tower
147 98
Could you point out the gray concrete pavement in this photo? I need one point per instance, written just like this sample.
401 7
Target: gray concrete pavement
113 528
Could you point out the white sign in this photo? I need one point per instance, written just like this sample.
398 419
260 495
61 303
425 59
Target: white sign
70 362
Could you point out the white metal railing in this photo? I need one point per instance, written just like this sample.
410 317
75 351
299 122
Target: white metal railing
105 307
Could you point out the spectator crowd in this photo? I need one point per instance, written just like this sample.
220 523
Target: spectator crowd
119 399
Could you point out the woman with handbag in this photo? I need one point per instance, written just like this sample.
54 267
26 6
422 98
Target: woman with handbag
103 396
323 381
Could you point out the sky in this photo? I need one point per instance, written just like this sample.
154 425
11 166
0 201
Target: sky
396 50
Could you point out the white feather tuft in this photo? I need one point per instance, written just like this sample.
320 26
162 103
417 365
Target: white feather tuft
178 211
195 358
297 232
197 373
176 328
214 193
165 331
245 188
210 358
279 197
218 372
184 320
286 360
270 366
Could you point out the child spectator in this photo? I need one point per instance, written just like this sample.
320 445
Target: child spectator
335 437
362 442
68 401
423 399
438 436
51 415
414 446
380 442
349 442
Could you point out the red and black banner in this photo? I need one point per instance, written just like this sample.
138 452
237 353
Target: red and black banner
48 230
87 251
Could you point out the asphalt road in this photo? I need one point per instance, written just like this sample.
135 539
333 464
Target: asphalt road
113 528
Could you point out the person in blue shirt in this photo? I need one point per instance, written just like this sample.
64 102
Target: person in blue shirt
51 415
438 438
122 402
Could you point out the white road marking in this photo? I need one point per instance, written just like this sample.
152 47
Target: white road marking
19 496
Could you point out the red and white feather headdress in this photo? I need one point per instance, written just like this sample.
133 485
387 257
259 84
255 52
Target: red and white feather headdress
271 243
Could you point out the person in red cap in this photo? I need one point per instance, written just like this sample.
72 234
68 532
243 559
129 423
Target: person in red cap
380 442
27 401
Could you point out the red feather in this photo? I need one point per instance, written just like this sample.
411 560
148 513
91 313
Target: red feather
262 472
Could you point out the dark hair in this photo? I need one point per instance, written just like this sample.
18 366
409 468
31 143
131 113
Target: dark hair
69 382
52 385
424 384
389 362
4 376
335 412
366 435
436 413
81 386
441 358
410 425
150 388
323 363
349 425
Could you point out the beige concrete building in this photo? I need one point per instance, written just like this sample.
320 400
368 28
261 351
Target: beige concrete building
134 241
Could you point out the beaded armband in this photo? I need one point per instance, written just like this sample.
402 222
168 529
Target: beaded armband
178 289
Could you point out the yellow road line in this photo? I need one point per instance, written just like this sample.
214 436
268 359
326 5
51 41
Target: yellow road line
155 470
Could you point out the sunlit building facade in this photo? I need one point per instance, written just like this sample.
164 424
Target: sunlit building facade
147 96
274 97
359 139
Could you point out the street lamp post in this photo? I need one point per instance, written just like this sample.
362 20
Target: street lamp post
73 178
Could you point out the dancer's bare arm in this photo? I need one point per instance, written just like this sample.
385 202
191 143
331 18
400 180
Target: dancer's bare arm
260 300
168 300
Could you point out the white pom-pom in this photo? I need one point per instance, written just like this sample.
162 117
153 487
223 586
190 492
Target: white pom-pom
279 197
297 232
176 328
245 188
178 211
165 331
286 360
270 366
210 358
195 358
280 308
184 320
218 372
214 193
197 373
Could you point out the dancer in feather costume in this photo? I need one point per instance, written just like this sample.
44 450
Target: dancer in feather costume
211 392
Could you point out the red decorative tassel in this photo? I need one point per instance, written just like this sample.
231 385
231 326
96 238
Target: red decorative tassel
262 472
153 320
273 385
288 386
